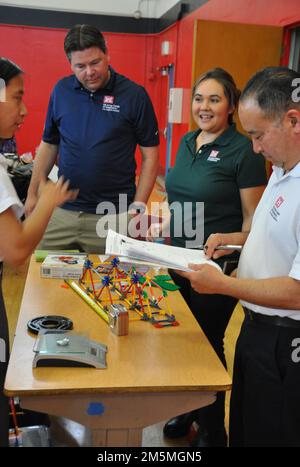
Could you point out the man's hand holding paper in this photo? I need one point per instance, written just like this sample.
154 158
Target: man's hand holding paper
204 278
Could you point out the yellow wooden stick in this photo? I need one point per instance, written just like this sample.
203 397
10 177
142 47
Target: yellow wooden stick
96 307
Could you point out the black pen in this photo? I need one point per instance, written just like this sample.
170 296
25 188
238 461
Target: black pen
222 247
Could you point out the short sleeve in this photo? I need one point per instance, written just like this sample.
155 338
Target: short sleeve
8 195
51 132
251 168
145 122
295 270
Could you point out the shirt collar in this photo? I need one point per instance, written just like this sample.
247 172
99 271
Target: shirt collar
294 172
3 161
109 86
223 140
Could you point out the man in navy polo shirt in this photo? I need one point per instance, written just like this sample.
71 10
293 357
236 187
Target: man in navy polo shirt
96 118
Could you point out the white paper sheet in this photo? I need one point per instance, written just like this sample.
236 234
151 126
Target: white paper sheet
164 255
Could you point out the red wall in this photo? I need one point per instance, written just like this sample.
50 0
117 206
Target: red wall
40 52
260 12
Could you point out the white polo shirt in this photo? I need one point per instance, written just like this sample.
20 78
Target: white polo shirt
8 195
273 245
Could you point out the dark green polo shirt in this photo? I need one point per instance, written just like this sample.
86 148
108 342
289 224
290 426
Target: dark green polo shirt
213 175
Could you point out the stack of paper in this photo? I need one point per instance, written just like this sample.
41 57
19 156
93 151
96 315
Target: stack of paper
163 255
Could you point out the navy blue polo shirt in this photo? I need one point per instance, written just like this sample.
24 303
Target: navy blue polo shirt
97 134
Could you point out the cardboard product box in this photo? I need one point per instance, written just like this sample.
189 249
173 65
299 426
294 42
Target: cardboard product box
63 266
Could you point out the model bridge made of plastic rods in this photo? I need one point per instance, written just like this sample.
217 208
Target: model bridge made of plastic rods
105 283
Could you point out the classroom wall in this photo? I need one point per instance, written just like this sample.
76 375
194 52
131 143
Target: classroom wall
40 52
260 12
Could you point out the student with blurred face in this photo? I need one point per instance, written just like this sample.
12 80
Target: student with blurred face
17 240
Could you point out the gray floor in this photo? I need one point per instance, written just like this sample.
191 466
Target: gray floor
65 432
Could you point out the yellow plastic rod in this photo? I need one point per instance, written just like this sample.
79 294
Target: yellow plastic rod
97 308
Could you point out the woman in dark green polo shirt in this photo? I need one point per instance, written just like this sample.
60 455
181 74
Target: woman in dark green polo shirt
215 165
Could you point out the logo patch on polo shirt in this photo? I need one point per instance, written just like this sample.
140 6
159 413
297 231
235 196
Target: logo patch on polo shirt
213 156
108 104
275 213
108 100
279 201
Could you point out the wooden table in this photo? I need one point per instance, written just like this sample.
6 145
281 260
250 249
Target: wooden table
152 374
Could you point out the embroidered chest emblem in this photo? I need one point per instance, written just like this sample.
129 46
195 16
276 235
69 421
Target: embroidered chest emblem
213 156
275 212
109 105
108 100
279 201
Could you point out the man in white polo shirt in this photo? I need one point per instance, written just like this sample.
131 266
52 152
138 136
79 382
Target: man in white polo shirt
265 401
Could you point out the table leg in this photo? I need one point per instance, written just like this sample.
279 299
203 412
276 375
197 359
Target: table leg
116 437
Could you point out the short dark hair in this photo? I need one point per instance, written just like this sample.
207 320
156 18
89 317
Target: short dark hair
272 88
227 82
83 36
8 70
